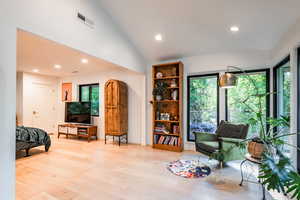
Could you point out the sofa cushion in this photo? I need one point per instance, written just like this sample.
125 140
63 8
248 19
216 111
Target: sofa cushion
229 130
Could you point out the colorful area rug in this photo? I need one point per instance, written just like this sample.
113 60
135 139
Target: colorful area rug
189 168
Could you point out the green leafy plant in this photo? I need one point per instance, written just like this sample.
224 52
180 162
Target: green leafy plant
276 171
160 89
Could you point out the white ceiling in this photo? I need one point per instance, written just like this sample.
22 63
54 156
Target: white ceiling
192 27
34 52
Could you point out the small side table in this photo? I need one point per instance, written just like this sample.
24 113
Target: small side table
249 162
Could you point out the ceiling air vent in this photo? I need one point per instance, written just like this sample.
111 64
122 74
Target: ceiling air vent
85 20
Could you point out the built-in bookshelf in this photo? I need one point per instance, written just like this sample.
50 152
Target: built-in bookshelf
167 111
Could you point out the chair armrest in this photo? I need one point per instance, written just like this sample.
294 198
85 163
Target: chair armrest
200 137
230 140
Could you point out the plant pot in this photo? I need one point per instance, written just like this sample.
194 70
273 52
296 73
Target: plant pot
158 98
174 95
256 149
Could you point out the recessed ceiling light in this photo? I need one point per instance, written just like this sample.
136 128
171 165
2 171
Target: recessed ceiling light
57 66
35 70
234 29
158 37
83 60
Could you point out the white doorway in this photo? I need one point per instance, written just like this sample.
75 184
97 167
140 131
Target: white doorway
44 113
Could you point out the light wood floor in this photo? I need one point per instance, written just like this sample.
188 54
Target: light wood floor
77 170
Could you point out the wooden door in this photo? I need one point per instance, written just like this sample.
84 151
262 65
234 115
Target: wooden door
123 92
43 107
112 114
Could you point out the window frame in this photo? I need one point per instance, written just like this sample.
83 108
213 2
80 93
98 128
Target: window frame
275 88
267 71
90 93
188 100
298 108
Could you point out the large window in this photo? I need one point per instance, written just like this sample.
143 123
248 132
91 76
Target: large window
90 93
282 95
203 104
298 110
241 101
282 88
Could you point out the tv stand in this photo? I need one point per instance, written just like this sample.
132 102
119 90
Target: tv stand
79 130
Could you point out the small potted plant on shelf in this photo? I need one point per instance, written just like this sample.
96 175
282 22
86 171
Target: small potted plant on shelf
159 90
276 171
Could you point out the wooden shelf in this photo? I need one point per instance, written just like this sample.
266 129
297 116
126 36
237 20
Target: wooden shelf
167 77
167 64
173 88
174 108
167 147
168 121
166 101
175 135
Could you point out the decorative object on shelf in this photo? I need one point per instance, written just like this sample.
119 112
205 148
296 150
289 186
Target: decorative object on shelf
173 83
160 128
276 169
159 90
175 118
159 75
175 129
189 168
165 116
66 92
174 94
157 115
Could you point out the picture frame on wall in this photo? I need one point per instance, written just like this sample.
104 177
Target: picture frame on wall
67 92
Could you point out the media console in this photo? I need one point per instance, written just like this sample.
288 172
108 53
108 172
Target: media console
79 130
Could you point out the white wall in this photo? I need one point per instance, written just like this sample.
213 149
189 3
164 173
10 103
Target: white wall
136 100
27 85
208 63
55 20
19 98
7 106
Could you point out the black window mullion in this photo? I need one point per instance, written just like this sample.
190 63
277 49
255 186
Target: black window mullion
298 108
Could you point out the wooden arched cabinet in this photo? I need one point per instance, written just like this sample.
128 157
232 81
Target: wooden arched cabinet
116 109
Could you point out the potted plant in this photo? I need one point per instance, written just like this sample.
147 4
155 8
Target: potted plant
276 170
159 90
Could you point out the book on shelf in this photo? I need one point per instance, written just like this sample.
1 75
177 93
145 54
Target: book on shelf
167 140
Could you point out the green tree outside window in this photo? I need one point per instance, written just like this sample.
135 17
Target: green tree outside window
90 93
237 110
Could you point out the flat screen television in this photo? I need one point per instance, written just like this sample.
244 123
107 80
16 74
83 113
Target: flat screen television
78 112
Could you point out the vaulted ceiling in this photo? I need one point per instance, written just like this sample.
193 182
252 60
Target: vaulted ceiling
192 27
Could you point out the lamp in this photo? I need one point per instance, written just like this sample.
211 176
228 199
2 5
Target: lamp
228 80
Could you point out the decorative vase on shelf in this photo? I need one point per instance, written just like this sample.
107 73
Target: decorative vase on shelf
173 83
158 97
174 95
157 115
159 75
